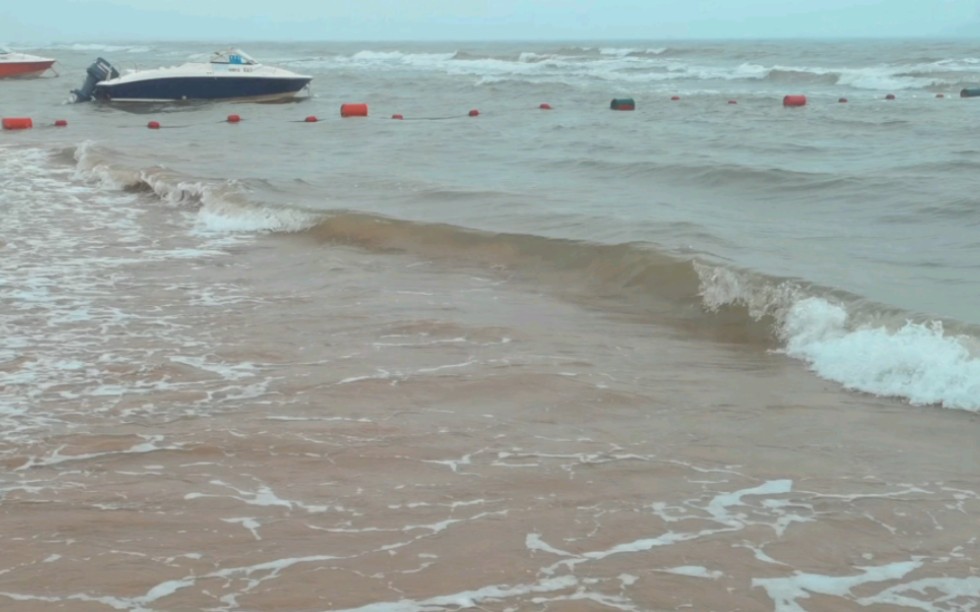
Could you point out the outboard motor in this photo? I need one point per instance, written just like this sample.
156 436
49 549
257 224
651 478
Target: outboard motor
100 71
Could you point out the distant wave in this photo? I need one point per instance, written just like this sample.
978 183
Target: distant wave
103 48
802 77
759 180
636 66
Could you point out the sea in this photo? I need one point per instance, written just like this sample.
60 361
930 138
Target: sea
710 354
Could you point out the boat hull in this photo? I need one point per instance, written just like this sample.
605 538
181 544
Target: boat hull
188 88
24 69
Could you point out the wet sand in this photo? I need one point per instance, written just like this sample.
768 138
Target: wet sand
375 432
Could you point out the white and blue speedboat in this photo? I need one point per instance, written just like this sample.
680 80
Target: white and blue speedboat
229 75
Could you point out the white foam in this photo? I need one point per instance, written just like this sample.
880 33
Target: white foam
534 543
74 242
884 78
262 496
917 361
611 65
623 52
248 523
786 592
398 57
102 48
966 590
591 67
227 371
151 444
469 599
718 508
878 77
254 219
218 215
324 419
381 375
695 571
728 511
221 207
452 463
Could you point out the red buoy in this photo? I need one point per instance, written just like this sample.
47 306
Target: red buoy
890 97
474 113
311 119
398 116
733 101
794 100
842 100
17 123
675 98
544 106
234 118
60 123
153 125
354 110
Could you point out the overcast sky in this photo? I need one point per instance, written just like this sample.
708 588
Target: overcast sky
223 20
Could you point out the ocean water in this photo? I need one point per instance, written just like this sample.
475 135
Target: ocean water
703 355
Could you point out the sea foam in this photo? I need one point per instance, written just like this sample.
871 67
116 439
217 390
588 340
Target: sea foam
918 361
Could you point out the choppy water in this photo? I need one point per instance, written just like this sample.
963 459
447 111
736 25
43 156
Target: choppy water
707 354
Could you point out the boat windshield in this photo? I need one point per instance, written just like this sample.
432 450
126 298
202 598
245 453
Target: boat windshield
232 56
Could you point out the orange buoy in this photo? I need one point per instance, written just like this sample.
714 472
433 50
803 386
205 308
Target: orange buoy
675 98
234 118
60 123
842 100
890 97
311 119
354 110
544 106
474 113
17 123
153 125
794 100
398 116
622 104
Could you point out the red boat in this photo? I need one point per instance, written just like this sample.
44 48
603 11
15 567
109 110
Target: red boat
21 64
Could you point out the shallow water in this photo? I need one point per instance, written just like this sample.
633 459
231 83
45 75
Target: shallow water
705 355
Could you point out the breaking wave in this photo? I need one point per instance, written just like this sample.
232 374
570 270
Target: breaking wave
844 338
862 346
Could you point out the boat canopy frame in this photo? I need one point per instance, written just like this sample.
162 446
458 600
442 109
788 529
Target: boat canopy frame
234 57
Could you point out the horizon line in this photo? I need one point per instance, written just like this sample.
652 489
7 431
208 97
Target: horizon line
777 38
